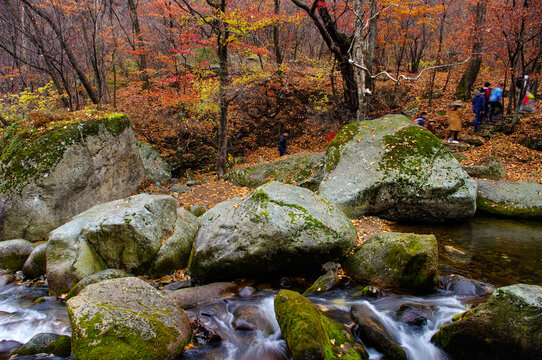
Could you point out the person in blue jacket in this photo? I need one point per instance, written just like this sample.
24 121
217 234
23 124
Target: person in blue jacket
495 101
283 139
478 106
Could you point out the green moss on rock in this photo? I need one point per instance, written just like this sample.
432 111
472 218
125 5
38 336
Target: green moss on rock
25 154
310 334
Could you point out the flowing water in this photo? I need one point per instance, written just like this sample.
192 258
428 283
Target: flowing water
500 252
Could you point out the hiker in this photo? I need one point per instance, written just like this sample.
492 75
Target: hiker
282 143
420 120
495 101
454 120
431 126
487 92
478 106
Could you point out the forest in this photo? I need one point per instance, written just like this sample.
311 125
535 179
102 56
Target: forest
210 82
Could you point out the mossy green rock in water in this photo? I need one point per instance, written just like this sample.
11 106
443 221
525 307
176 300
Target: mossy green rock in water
49 176
279 228
324 283
396 260
513 199
13 254
45 343
311 335
126 319
507 326
395 169
305 170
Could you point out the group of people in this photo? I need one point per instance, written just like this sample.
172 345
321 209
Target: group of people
454 122
486 102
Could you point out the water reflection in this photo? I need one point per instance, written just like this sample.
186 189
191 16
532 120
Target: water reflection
498 251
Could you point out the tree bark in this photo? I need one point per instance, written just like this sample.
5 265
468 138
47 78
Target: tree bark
139 44
463 90
276 35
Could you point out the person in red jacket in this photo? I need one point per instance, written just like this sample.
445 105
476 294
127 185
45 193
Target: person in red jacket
487 92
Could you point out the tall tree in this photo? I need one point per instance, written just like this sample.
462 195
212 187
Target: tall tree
463 90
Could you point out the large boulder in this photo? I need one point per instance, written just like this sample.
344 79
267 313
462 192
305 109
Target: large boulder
514 199
48 177
175 251
304 170
199 295
124 234
156 167
507 326
277 229
13 254
36 263
311 335
396 260
494 171
395 169
126 319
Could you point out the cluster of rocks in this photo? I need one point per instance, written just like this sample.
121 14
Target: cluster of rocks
389 167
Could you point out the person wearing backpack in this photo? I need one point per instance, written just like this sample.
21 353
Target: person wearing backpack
487 92
495 101
478 107
283 139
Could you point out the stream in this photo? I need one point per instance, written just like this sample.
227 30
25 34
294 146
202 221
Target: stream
497 251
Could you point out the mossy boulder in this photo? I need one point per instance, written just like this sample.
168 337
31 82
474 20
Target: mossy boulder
125 234
49 176
507 326
304 170
199 295
324 283
156 167
279 228
513 199
396 260
175 251
36 263
494 171
13 254
393 168
96 278
126 319
45 343
310 334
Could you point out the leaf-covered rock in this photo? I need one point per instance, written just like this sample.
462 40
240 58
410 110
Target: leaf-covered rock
395 169
396 260
126 319
311 335
514 199
507 326
278 228
49 176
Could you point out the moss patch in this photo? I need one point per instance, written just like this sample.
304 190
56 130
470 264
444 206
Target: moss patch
312 335
25 154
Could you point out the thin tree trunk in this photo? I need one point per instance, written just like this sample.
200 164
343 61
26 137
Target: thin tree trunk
359 58
139 43
468 79
371 46
276 40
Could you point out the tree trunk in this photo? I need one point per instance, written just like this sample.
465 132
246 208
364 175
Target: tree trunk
373 33
222 44
139 43
276 42
359 58
463 91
